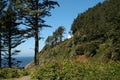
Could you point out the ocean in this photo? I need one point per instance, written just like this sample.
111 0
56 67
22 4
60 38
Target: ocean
24 60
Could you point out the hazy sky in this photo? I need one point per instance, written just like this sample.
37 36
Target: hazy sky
61 16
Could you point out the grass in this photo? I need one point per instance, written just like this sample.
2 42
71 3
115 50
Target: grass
7 73
66 70
77 71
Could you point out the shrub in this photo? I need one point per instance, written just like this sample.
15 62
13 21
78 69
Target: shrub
91 48
6 73
80 49
77 71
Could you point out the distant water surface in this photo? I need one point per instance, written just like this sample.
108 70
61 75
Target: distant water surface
24 60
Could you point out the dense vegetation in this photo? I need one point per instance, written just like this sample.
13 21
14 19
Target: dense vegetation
77 71
95 35
13 13
7 73
97 31
95 39
56 37
93 53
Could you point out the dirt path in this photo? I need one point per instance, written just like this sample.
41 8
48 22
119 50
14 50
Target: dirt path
24 78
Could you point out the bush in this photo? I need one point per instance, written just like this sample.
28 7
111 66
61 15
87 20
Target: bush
80 49
6 73
77 71
91 48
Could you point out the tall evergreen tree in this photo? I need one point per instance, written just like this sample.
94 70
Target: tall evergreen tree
3 4
58 34
61 30
49 41
12 34
33 12
55 37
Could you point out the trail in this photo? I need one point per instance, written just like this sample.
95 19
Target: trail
24 78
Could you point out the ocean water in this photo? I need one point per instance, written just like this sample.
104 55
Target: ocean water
24 60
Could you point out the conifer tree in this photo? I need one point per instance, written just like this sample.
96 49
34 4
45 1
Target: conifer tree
55 37
49 41
3 4
60 30
12 34
33 12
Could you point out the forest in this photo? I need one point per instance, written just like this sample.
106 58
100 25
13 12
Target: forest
99 29
92 52
14 13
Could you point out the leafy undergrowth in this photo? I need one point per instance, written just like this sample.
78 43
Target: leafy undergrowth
7 73
77 71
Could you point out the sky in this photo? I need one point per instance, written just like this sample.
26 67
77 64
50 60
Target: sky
60 16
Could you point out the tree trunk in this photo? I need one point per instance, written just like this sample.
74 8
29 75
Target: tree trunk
36 47
36 37
9 48
0 52
60 38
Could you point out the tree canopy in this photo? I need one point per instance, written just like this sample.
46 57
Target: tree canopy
100 23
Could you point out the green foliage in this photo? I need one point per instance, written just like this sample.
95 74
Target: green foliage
60 30
56 37
62 51
80 49
77 71
89 48
95 35
33 12
7 73
11 34
3 4
100 23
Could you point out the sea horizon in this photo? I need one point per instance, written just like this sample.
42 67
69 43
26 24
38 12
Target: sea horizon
24 60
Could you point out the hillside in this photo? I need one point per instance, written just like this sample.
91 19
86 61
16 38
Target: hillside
95 35
98 29
93 53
